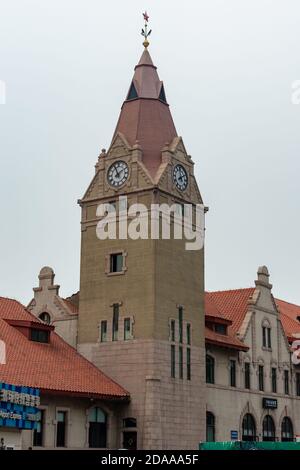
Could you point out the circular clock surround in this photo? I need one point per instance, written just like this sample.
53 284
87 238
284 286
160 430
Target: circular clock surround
180 177
117 173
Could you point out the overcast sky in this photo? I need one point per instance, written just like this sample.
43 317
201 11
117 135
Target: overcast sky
228 67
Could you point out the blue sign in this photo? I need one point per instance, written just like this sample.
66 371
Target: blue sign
19 406
234 435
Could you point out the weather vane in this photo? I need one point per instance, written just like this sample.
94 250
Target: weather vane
145 32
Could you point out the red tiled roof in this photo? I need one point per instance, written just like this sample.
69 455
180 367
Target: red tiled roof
288 315
232 304
52 367
226 341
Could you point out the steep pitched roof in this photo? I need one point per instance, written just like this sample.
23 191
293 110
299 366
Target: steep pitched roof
288 315
145 115
51 367
233 304
225 341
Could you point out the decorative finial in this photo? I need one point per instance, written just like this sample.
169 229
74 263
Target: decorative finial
145 32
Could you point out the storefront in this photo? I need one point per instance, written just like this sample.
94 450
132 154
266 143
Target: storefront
18 412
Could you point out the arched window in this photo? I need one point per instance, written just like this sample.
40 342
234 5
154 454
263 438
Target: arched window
97 428
45 317
210 427
287 432
266 334
248 428
210 369
268 429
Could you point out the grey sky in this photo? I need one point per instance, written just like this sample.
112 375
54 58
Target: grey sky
227 66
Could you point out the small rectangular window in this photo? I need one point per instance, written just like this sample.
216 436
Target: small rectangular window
40 336
269 337
127 329
115 325
298 384
103 331
286 382
264 337
173 361
221 329
274 380
172 327
38 433
180 318
261 378
188 334
232 373
116 262
61 429
247 375
180 362
188 363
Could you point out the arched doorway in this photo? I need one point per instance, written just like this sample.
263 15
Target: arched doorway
268 428
248 428
287 431
210 427
97 428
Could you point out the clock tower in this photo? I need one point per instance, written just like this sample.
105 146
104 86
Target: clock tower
141 314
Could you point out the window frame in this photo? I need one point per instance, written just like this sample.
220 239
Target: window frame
261 378
232 372
210 369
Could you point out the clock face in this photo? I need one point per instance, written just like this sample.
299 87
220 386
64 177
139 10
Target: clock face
117 174
180 177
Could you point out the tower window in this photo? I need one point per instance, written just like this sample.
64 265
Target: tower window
172 330
132 94
180 362
127 329
188 363
188 333
116 262
115 325
180 318
103 331
173 361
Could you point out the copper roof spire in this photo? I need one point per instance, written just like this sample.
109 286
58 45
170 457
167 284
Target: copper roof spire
145 115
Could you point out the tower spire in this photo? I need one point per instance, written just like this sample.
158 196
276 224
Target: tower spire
145 31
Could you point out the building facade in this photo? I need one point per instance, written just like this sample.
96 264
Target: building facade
253 389
50 396
141 317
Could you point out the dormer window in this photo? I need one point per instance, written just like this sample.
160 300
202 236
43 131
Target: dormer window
40 336
221 329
